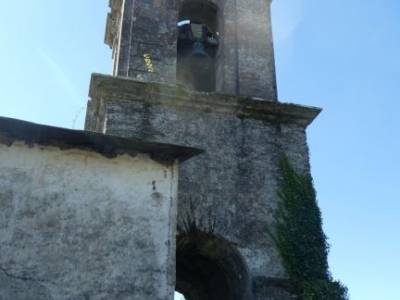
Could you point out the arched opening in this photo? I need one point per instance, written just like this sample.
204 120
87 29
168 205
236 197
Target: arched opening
209 268
197 45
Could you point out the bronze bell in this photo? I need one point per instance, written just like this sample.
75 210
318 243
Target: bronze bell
198 50
196 56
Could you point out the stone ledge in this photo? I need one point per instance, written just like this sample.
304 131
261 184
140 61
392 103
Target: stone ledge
110 88
13 130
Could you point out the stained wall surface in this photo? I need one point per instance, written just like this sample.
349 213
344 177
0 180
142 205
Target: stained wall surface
235 181
77 225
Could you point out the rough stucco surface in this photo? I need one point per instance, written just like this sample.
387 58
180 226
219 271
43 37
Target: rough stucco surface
76 225
234 181
237 176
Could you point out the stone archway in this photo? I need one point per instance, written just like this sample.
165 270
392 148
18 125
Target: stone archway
209 268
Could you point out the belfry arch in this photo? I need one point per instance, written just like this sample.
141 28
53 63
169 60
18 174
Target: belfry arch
209 268
197 45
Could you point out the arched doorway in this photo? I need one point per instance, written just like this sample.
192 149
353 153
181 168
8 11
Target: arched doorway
197 45
209 268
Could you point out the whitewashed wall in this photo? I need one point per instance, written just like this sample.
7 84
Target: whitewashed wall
77 225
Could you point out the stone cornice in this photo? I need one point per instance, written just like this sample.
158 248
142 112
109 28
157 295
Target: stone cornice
109 88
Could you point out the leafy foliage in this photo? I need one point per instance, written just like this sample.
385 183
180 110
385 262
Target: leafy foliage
300 239
190 222
323 290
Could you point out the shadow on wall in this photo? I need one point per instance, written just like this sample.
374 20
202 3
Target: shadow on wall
209 267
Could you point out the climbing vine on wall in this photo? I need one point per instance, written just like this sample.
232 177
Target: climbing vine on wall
300 239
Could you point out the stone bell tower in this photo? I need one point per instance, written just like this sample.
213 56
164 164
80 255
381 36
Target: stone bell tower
144 37
201 73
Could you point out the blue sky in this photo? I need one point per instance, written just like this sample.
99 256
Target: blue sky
342 56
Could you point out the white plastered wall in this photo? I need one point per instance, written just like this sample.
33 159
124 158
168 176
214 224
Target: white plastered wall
77 225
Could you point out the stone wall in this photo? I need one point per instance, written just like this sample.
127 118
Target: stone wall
245 59
235 180
246 63
145 29
75 224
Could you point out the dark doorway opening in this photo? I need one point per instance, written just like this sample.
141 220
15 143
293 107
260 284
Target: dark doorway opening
209 268
197 45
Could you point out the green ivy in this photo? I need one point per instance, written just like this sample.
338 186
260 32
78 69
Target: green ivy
323 290
300 239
